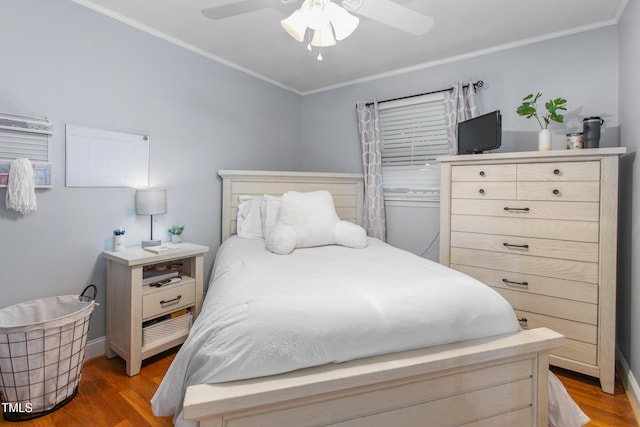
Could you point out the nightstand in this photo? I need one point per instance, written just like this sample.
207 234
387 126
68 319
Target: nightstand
142 319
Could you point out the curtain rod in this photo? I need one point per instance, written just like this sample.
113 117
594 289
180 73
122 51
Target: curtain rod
477 84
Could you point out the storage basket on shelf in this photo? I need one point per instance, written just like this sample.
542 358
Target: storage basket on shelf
42 344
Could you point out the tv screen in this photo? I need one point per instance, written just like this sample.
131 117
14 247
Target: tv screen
480 133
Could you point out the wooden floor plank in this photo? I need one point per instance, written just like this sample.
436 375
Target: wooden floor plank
108 397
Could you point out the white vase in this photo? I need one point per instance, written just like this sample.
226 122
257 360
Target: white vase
176 238
118 243
544 140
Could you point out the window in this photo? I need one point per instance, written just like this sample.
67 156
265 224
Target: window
413 133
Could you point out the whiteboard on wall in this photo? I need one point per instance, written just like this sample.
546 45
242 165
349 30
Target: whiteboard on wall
102 158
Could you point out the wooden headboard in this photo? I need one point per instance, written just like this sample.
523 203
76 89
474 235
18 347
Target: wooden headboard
347 190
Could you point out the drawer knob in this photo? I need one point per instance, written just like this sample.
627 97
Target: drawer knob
481 191
556 191
171 301
512 283
556 171
508 209
509 245
523 321
482 173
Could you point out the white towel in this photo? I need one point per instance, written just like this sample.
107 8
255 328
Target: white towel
21 193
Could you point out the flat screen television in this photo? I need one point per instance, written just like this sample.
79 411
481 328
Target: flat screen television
480 133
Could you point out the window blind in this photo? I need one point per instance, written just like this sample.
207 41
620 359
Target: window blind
413 134
24 138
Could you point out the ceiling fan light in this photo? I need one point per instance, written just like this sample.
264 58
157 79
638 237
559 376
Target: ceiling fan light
317 16
342 21
295 25
323 37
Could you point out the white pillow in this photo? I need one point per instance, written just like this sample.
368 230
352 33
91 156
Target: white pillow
249 218
269 210
309 219
312 215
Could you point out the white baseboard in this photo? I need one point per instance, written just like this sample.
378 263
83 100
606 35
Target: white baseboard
95 348
629 382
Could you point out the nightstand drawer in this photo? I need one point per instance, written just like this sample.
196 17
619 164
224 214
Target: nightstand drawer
168 299
484 173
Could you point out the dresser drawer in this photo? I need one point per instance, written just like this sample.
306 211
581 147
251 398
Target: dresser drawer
560 288
168 299
560 249
484 190
578 191
577 211
548 267
574 311
483 173
579 343
572 330
579 231
563 171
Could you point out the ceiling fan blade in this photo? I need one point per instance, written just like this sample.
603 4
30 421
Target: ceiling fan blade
237 8
392 14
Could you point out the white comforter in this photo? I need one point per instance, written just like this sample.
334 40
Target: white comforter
266 314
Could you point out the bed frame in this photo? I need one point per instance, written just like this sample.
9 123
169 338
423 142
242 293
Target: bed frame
501 380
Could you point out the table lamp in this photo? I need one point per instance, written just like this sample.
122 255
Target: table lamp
151 201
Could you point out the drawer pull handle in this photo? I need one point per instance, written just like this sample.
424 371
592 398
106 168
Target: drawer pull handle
171 301
481 191
556 191
509 245
507 208
512 283
523 320
482 173
556 171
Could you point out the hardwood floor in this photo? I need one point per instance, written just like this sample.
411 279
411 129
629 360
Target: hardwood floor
108 397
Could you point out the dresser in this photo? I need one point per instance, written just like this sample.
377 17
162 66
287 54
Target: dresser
541 229
147 311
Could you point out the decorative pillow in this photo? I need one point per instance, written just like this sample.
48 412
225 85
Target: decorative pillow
249 219
309 219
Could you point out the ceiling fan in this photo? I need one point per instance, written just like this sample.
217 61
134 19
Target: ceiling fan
385 11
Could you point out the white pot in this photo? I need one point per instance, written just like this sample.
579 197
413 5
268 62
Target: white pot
176 238
118 243
544 140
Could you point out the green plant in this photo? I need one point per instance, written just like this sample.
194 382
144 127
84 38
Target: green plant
529 108
118 232
176 229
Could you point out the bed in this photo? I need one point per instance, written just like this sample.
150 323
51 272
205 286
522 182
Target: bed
455 378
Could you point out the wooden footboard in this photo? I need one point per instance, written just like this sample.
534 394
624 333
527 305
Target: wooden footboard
500 380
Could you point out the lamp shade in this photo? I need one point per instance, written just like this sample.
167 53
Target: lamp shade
343 22
323 37
295 25
152 201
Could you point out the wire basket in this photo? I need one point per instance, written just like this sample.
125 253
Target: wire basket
42 345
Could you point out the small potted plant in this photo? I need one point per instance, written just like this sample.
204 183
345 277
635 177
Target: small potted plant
529 108
118 240
176 233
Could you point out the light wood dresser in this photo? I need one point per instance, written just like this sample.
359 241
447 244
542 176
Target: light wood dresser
541 229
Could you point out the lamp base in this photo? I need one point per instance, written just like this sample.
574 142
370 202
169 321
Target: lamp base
146 243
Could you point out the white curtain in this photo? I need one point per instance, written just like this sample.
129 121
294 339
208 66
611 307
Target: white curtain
460 105
369 127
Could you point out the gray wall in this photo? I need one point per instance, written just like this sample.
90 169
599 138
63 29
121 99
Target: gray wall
73 65
628 321
582 68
